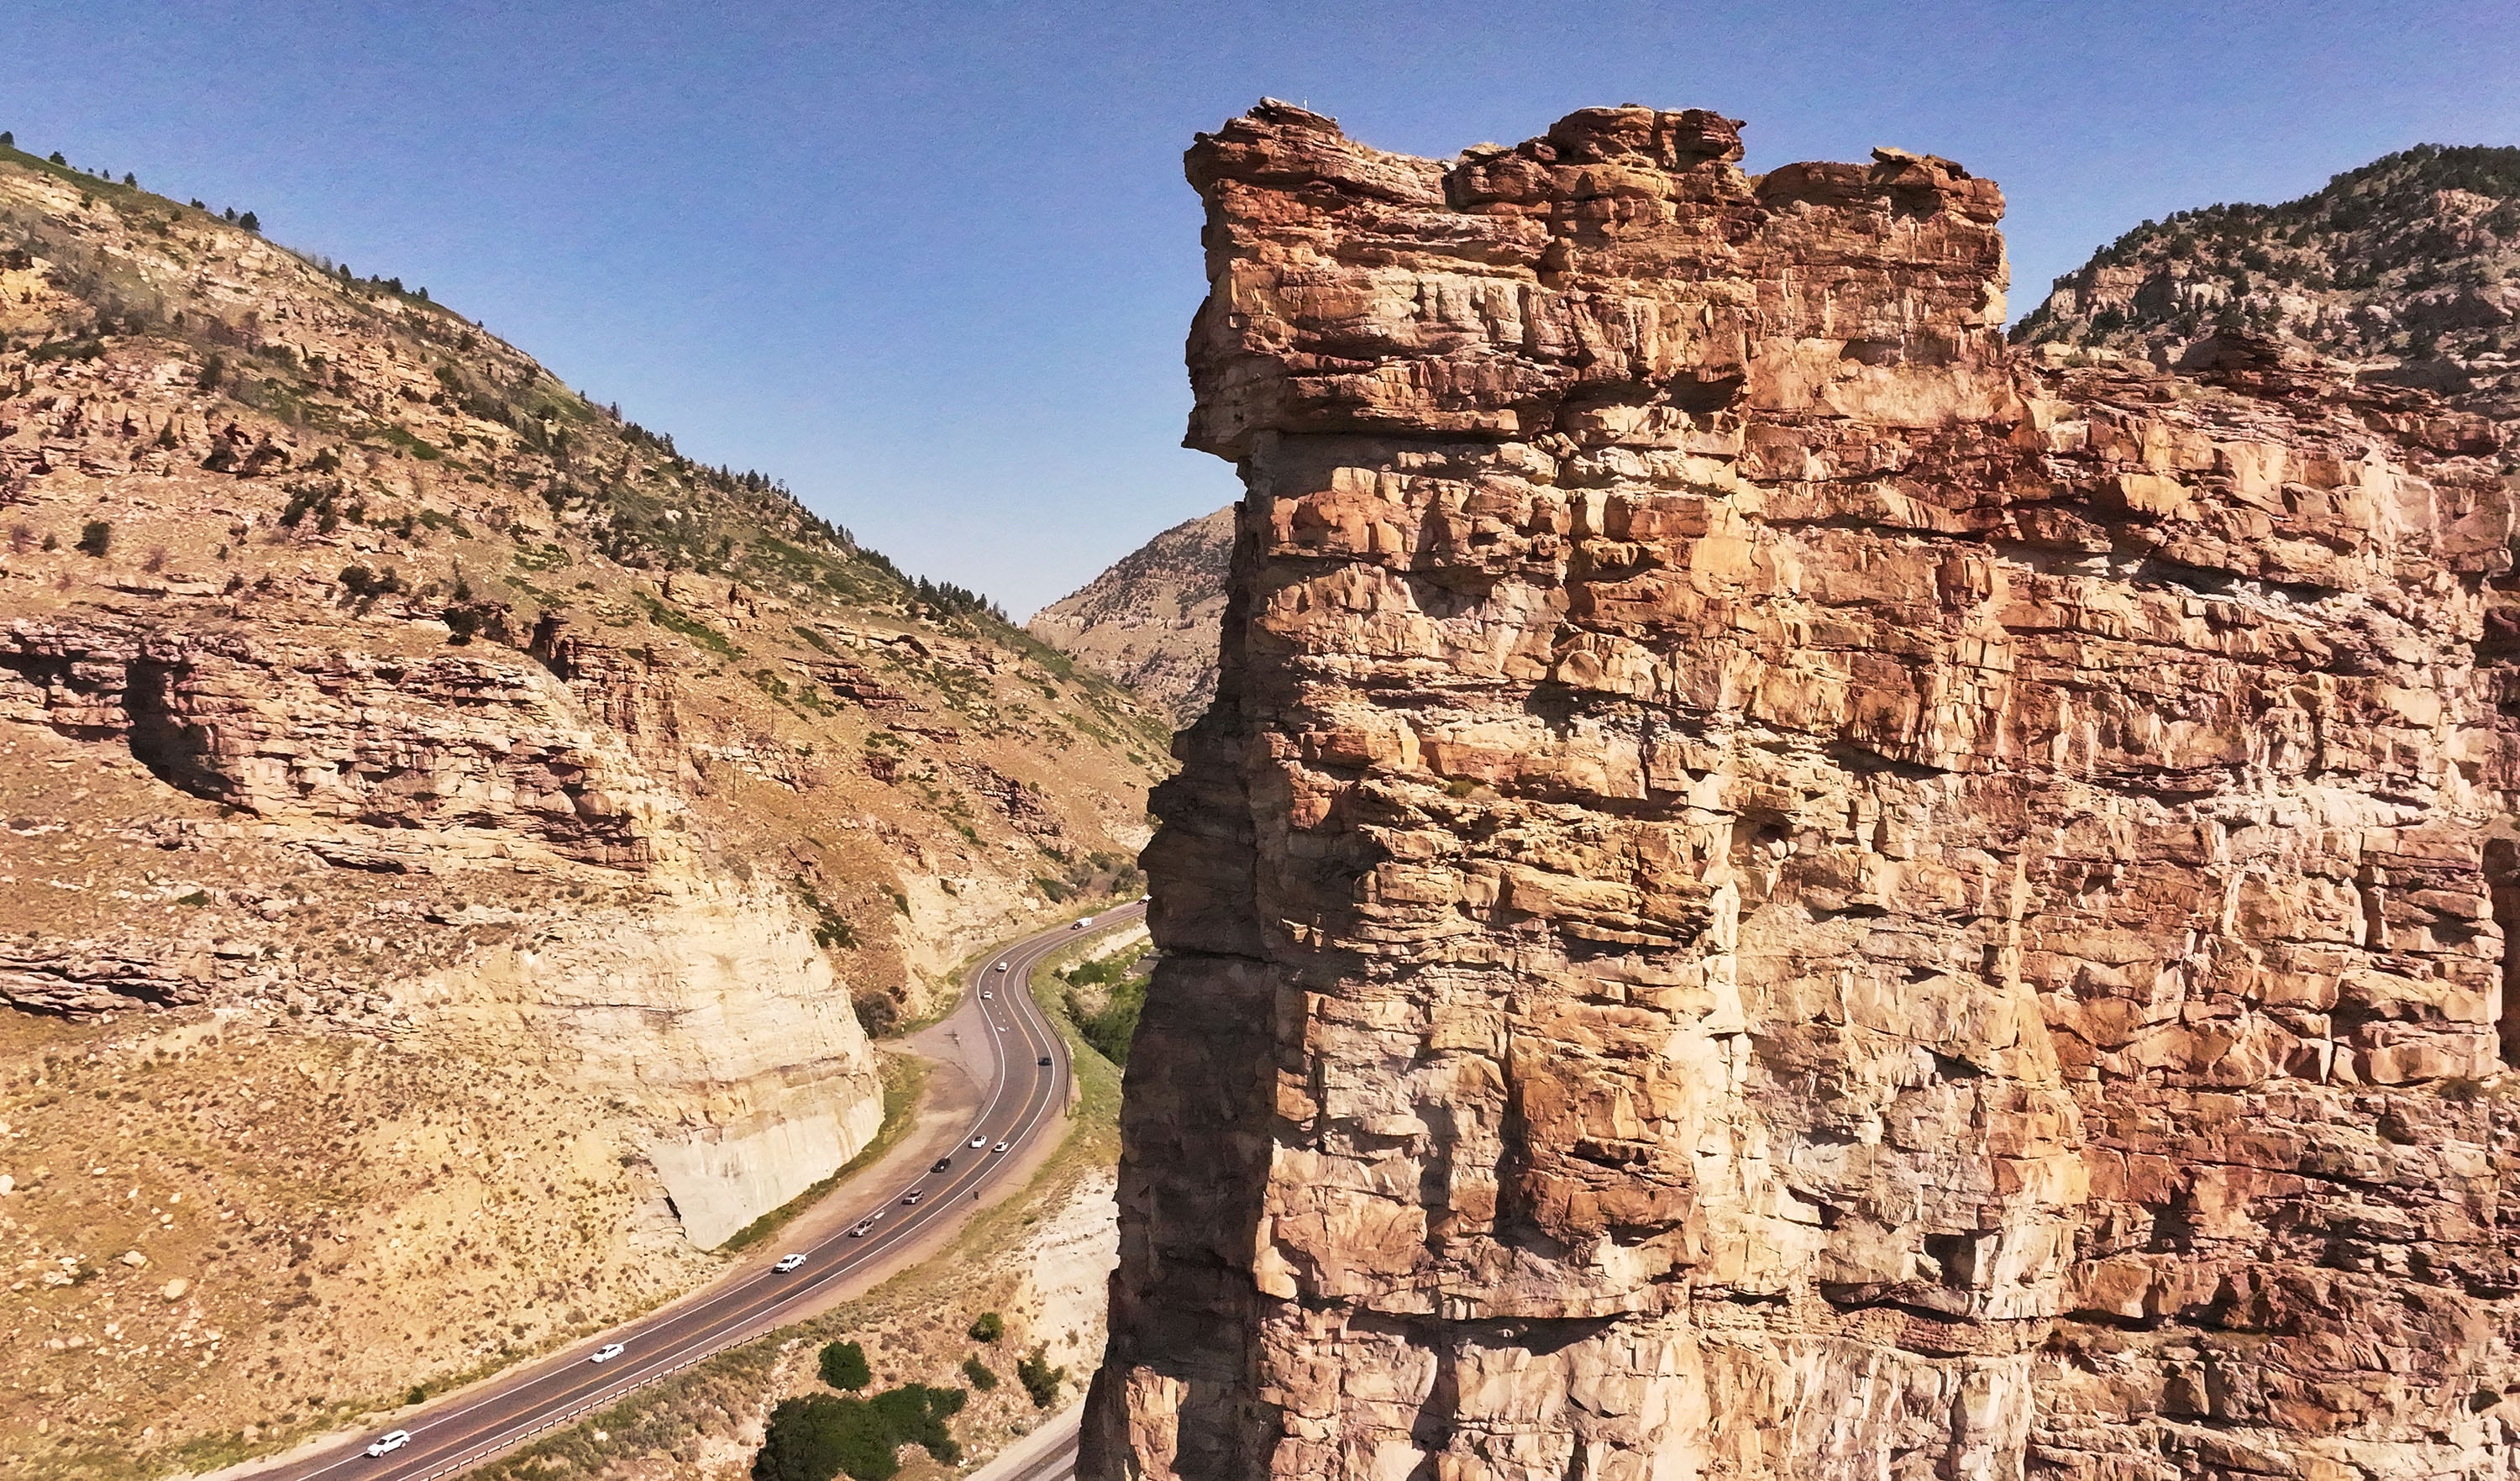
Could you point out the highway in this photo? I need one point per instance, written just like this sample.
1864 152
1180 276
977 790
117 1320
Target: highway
1026 1101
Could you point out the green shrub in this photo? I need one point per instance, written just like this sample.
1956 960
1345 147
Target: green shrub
96 537
988 1327
822 1435
467 619
1039 1379
982 1376
877 1013
363 583
805 1441
844 1366
1110 1027
831 928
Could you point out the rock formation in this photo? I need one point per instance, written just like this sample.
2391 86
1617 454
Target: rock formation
1150 621
711 1000
1774 890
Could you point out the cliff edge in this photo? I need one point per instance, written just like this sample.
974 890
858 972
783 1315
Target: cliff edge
1773 889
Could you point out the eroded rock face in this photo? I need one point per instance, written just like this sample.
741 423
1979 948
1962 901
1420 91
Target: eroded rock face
704 1001
1771 892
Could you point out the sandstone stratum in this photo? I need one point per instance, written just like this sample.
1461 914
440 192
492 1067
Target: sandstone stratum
448 838
1776 889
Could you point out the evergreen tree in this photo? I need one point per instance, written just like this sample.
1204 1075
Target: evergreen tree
844 1366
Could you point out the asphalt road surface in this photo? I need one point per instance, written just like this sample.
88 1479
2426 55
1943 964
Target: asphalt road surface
1026 1101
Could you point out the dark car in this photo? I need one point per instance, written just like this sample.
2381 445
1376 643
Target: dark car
940 1164
1045 1058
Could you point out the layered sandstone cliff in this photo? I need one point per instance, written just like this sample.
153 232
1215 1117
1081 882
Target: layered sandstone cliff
1773 892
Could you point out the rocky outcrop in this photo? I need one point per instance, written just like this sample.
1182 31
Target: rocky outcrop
1150 621
442 743
715 1016
1772 890
2403 266
708 1004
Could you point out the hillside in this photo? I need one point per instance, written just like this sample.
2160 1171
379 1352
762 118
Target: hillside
1150 621
2410 265
446 832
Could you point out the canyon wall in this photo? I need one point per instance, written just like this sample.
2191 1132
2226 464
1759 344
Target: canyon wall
1775 890
701 1004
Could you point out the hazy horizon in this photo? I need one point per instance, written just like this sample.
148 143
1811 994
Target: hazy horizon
934 270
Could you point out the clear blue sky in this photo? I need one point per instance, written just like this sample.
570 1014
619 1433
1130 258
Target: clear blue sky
933 264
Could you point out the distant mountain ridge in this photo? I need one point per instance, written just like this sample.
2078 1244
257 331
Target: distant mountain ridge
2410 265
1151 620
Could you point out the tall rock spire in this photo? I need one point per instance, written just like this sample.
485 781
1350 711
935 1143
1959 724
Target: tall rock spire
1773 892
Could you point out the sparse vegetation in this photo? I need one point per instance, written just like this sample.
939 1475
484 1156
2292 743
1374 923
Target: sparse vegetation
700 634
832 929
1039 1379
325 458
1104 996
2379 261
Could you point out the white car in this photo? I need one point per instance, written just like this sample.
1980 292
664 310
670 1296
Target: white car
390 1441
607 1353
1081 924
787 1262
913 1197
863 1230
1002 966
985 994
1001 1147
979 1141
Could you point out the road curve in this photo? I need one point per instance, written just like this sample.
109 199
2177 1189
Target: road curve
1024 1101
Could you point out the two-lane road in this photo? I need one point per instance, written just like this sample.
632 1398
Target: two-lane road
1027 1091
